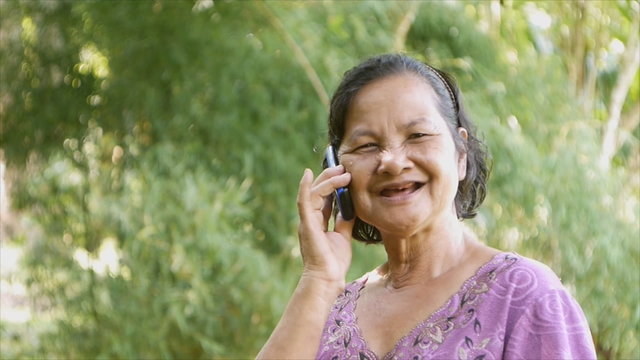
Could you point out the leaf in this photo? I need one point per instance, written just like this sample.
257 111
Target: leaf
468 342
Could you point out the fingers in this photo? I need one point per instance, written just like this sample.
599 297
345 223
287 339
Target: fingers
304 194
326 211
325 252
331 179
329 172
344 227
321 191
314 195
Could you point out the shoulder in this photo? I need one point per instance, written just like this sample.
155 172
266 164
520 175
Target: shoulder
540 316
544 318
537 290
522 278
545 276
516 283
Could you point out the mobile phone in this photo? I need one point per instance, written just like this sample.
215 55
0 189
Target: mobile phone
343 198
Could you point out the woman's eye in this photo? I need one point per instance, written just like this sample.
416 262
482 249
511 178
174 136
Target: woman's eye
417 135
366 146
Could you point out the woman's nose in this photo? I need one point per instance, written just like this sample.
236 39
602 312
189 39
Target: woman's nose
393 161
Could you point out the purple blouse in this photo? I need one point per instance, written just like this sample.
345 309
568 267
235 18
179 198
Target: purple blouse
512 308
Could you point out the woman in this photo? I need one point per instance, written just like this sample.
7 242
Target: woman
414 169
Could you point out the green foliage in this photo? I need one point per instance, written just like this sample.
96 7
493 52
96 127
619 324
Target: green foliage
157 148
139 256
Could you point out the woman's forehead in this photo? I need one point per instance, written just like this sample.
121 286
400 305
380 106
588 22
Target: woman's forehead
393 87
401 102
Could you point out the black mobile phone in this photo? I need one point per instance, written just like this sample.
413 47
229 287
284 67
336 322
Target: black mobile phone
342 194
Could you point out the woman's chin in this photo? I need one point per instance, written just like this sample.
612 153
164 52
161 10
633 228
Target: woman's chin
399 227
398 224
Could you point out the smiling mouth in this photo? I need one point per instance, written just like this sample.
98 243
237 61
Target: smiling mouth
402 190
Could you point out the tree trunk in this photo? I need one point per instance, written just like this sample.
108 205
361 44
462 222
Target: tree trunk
628 122
628 69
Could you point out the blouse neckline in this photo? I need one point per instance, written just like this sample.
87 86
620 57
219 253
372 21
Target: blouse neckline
483 269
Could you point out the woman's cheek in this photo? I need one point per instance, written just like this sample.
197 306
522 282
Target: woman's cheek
352 167
347 163
358 181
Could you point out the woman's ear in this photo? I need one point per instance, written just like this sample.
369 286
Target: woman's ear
462 155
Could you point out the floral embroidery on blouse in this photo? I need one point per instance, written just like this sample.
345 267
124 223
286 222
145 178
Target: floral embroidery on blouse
342 339
432 333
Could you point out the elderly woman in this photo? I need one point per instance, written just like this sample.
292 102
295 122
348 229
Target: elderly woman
414 167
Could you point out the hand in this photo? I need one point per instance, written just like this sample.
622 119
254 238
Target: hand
326 255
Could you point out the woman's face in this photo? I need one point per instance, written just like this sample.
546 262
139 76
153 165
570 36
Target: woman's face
403 162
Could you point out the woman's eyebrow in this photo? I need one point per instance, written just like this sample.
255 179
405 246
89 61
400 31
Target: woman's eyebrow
419 121
415 122
361 132
366 132
424 121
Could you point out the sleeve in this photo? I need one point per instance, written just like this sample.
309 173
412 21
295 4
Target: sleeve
552 327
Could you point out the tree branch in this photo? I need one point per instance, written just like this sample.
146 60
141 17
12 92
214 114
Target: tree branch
400 35
298 53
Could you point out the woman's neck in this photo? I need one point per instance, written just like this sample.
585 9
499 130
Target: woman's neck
425 255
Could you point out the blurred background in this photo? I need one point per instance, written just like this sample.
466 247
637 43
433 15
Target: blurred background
151 151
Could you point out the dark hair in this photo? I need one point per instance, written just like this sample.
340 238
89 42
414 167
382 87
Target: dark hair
472 189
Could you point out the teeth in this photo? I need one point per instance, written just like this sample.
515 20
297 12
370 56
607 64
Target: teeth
392 191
